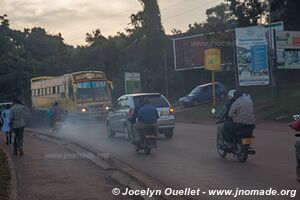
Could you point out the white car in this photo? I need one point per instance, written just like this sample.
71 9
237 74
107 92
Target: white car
118 119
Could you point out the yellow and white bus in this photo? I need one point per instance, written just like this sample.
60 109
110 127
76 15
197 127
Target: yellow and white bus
84 94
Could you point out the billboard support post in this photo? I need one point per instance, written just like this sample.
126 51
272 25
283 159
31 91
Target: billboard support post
212 59
213 87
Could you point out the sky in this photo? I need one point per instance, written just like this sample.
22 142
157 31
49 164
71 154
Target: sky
74 18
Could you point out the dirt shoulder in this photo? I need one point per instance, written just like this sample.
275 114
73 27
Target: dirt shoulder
4 176
52 171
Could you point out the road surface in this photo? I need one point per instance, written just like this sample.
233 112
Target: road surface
190 160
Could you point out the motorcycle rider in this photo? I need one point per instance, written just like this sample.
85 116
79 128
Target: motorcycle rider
242 113
223 115
296 126
57 113
146 118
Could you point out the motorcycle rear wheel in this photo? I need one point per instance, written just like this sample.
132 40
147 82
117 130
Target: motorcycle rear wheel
147 150
243 155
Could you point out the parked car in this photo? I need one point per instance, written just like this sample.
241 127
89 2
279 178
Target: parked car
202 94
120 114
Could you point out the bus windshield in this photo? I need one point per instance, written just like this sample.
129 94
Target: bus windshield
90 91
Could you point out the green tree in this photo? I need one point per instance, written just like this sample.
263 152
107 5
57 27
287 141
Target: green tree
286 11
150 38
247 12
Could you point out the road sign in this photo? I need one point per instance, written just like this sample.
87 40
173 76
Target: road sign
212 59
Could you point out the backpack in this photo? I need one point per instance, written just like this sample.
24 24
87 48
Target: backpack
50 113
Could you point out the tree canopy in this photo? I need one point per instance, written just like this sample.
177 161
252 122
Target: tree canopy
34 52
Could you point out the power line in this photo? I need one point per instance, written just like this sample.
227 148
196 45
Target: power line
177 15
168 18
126 11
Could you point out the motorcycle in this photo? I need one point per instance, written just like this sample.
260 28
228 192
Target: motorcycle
148 140
295 126
241 145
57 126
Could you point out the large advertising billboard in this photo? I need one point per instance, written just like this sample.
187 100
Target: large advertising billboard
288 49
252 56
189 51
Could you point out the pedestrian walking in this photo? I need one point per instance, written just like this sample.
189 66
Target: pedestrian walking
5 118
18 111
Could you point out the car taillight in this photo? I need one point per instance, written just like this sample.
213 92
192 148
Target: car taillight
171 110
130 113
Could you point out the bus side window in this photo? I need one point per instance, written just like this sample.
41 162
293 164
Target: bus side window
53 90
70 90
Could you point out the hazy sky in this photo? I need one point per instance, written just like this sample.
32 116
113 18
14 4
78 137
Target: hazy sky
74 18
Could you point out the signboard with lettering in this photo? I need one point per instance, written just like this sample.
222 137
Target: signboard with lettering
84 76
288 49
212 59
189 50
288 39
132 83
252 56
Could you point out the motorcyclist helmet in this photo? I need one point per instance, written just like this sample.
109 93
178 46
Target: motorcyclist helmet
230 94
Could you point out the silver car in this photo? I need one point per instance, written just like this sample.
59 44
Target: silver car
118 119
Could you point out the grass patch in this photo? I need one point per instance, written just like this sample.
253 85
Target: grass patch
284 106
199 114
4 177
266 104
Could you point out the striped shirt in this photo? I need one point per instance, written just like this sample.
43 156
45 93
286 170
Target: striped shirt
242 111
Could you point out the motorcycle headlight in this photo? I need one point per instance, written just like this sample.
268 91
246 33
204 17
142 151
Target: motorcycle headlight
84 110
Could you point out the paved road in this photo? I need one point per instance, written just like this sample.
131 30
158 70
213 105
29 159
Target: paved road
190 158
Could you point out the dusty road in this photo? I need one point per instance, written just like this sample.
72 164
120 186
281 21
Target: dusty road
189 160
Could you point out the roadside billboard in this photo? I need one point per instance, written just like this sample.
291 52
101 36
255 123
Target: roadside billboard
132 83
277 26
288 49
189 51
252 56
288 39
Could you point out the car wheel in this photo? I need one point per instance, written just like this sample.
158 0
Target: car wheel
127 133
110 133
169 133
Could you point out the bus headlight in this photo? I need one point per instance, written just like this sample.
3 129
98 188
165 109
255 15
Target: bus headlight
106 108
84 110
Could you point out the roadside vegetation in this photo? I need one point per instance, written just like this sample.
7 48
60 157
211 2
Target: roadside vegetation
142 47
268 106
4 177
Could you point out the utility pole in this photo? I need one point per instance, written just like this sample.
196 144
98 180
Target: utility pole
166 75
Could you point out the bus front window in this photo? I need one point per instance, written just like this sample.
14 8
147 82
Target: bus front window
92 91
84 92
100 89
